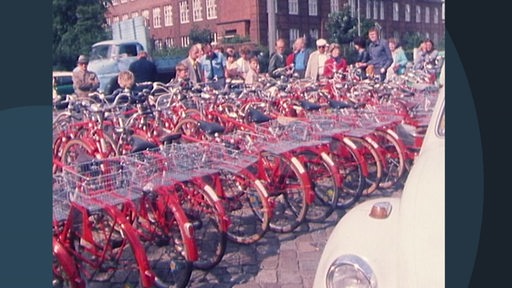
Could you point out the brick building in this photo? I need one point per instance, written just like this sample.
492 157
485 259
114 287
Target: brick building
170 21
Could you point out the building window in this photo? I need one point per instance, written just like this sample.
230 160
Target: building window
135 14
442 12
436 38
168 15
407 13
125 17
335 6
313 32
145 14
427 15
436 15
109 21
381 10
184 12
185 41
352 4
395 11
169 42
214 37
115 2
313 7
294 34
115 19
427 35
418 14
368 9
159 45
375 10
293 7
275 6
157 18
197 10
124 1
211 9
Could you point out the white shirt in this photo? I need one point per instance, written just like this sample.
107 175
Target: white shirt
321 63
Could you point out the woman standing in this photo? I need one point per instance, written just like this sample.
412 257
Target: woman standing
335 63
399 58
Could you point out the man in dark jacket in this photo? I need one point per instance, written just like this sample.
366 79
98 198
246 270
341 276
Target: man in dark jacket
277 59
380 55
143 69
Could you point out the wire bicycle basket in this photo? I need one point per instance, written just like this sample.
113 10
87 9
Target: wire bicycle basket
101 182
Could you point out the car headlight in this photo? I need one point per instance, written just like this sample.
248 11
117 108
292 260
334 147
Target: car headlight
350 271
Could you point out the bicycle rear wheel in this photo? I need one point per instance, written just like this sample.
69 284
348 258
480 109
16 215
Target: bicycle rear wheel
373 164
326 184
246 204
348 159
65 269
168 237
108 247
287 182
202 209
394 159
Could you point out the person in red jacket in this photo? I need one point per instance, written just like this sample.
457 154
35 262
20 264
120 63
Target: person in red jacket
335 63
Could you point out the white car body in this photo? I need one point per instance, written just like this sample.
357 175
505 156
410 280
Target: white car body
405 249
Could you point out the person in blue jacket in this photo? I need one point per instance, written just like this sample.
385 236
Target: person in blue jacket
380 55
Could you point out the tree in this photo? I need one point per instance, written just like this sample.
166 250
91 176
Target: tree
342 27
198 35
77 24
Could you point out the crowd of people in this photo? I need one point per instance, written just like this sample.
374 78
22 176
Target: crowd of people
214 65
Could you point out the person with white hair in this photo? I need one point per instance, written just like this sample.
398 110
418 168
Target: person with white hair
316 61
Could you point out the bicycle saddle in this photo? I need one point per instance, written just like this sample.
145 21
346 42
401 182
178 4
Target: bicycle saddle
210 127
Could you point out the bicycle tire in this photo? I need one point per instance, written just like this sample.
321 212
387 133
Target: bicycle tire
76 151
349 162
246 204
189 127
65 269
207 220
394 159
373 163
325 182
286 181
110 248
173 239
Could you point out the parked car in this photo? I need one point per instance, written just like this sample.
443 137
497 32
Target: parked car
62 83
395 242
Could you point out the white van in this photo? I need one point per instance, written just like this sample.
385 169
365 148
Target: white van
395 242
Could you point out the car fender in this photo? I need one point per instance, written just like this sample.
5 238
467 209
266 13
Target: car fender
374 240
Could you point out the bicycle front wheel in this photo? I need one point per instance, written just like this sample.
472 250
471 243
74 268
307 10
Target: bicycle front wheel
207 218
325 182
246 204
287 182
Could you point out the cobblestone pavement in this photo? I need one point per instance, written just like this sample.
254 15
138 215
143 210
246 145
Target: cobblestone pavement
276 260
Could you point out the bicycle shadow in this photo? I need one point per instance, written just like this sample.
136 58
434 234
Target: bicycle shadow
259 262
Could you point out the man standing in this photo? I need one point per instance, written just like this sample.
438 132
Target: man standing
214 65
277 59
316 61
301 57
84 81
380 54
195 70
143 69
